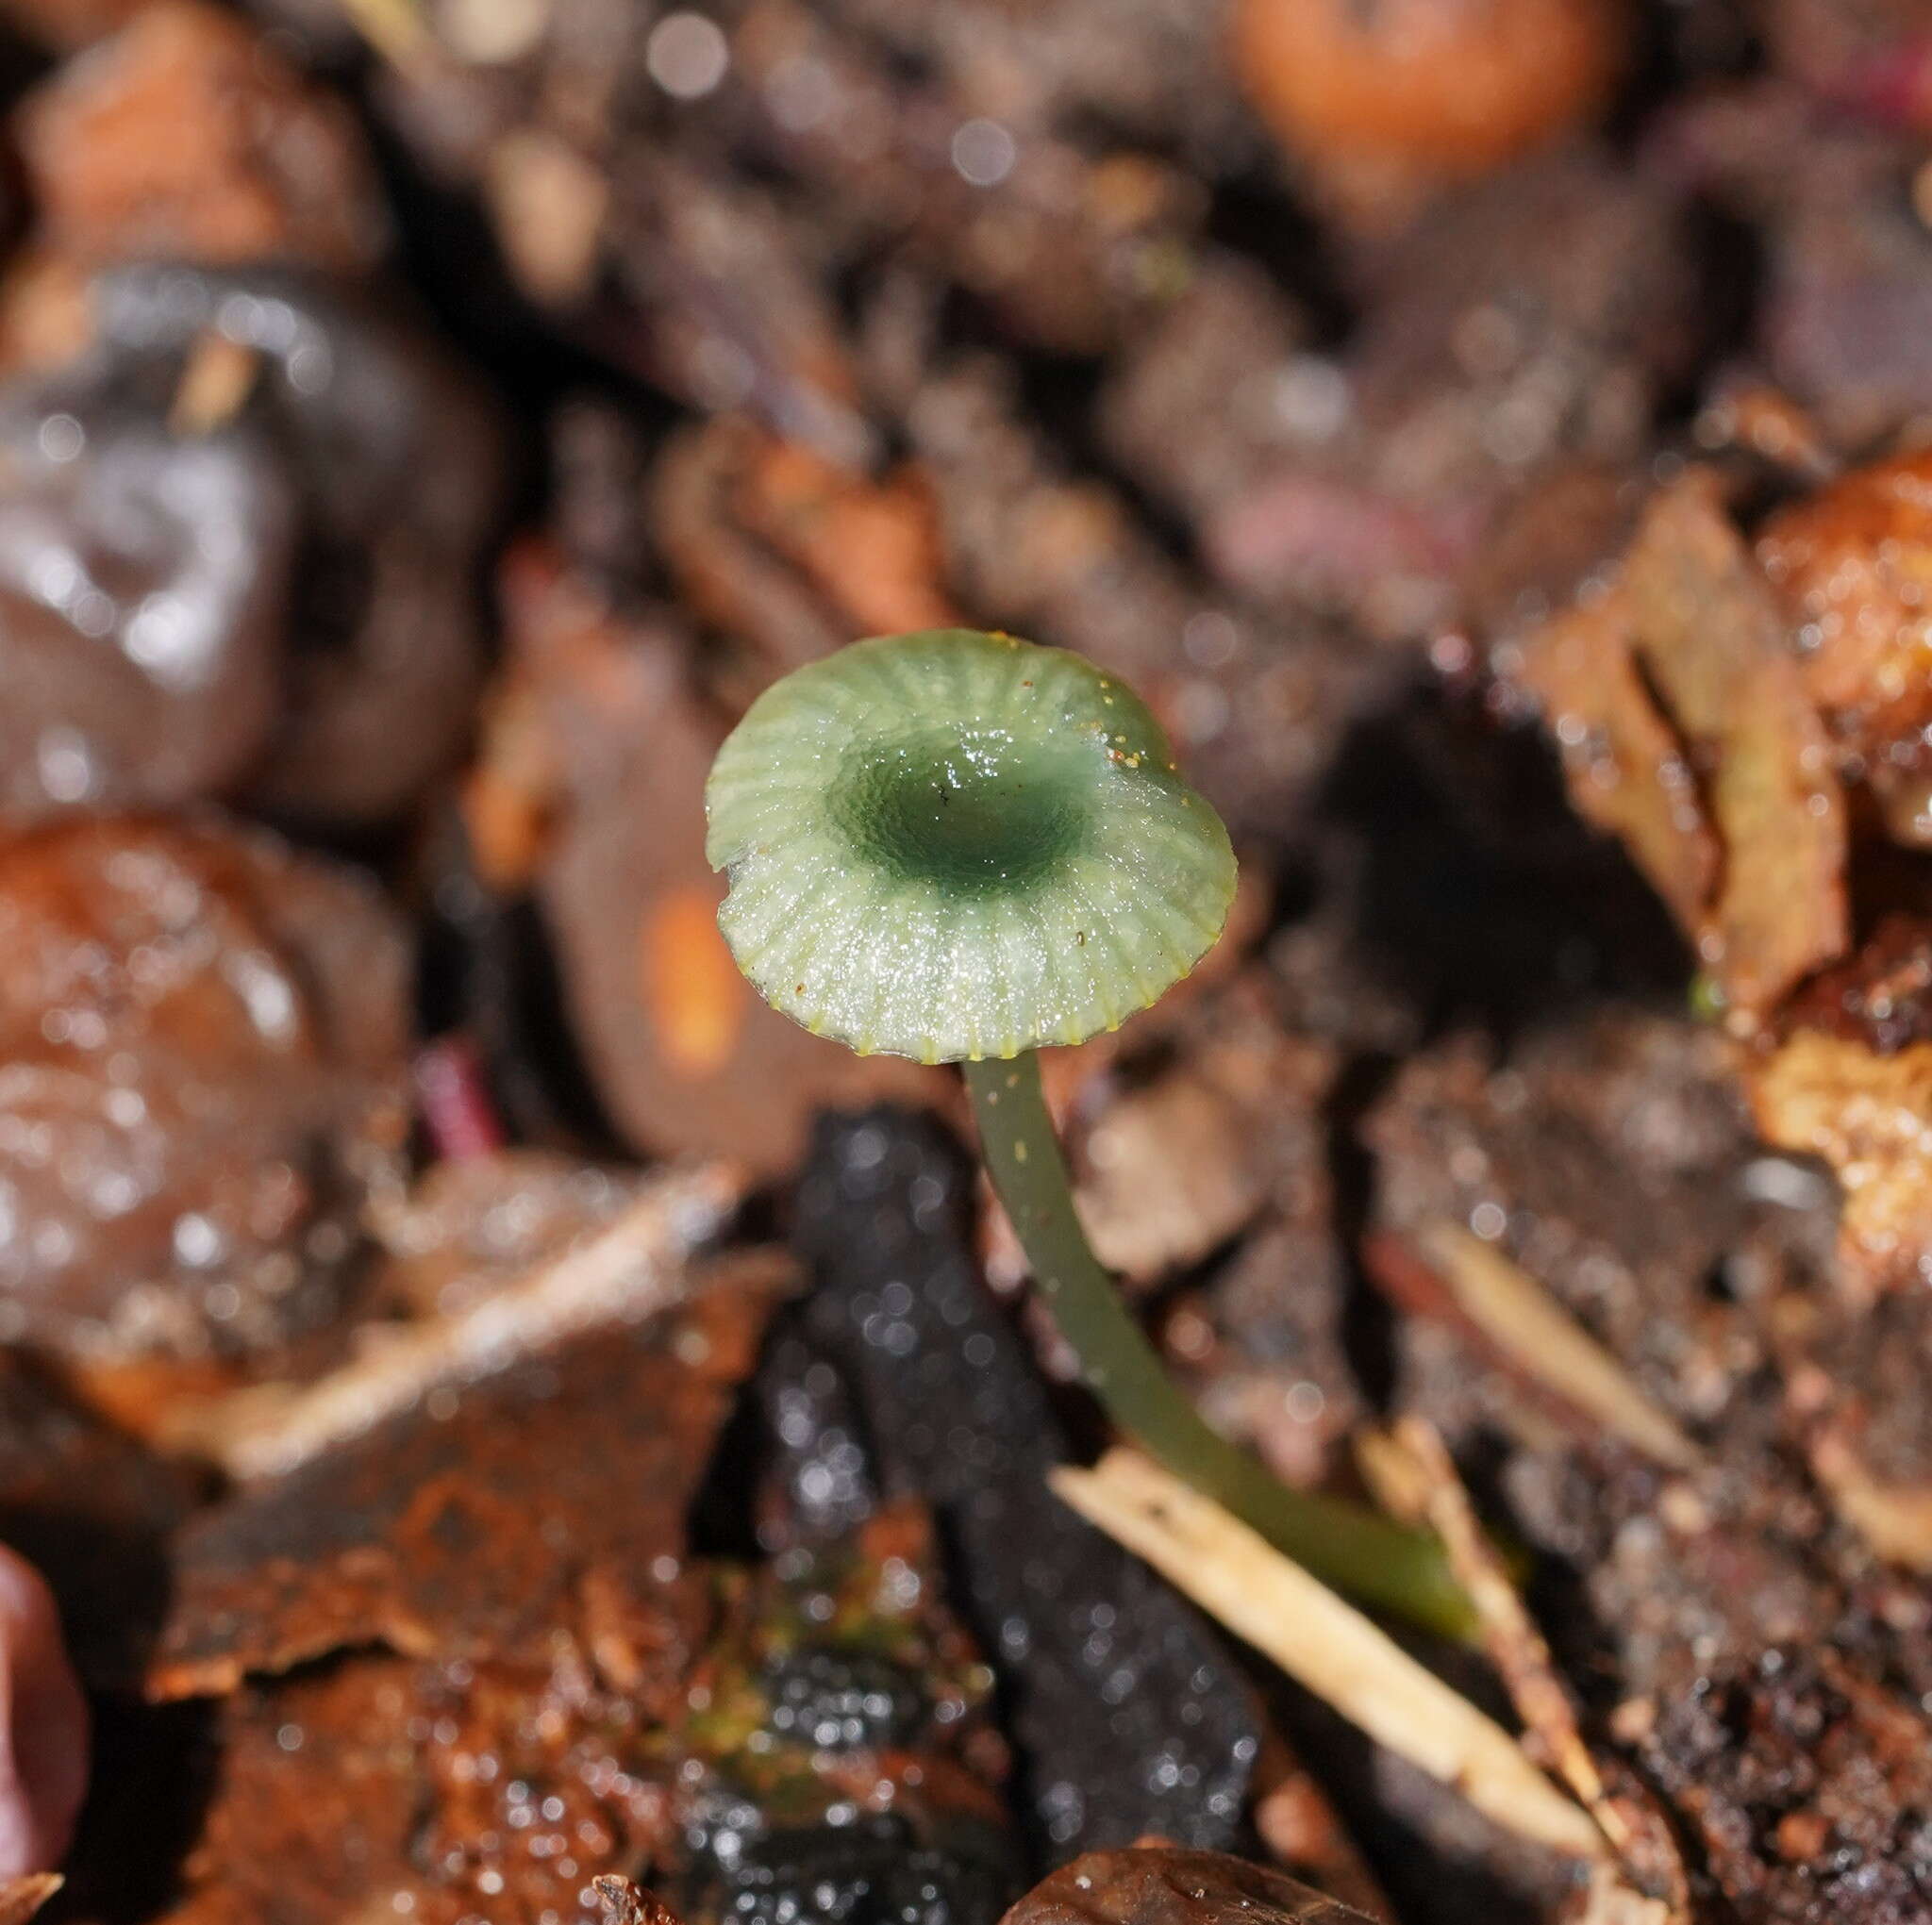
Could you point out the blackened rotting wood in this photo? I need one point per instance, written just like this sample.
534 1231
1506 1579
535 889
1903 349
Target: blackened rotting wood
1128 1715
825 1471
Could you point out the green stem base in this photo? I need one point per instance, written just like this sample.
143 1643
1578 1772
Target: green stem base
1377 1562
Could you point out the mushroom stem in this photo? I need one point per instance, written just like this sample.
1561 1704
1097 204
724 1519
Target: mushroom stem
1378 1562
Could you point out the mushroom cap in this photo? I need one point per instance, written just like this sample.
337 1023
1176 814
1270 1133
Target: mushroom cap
953 845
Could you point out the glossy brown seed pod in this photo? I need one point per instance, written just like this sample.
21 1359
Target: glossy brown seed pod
1393 97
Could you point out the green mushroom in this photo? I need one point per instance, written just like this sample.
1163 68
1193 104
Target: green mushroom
960 847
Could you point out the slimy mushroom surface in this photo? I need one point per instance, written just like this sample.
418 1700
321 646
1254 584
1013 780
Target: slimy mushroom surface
954 846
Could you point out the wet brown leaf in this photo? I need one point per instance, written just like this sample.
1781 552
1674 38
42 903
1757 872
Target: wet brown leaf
1686 731
1624 766
187 134
792 554
1166 1886
1865 1114
1713 642
638 1265
626 1905
352 1794
20 1898
872 547
467 1526
1854 565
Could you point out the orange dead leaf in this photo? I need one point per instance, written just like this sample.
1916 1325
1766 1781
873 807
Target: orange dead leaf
872 547
505 824
1854 564
186 133
1713 641
1624 767
1866 1115
694 994
1687 729
20 1898
46 311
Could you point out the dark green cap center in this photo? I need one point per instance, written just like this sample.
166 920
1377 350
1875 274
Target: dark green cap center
960 845
969 810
